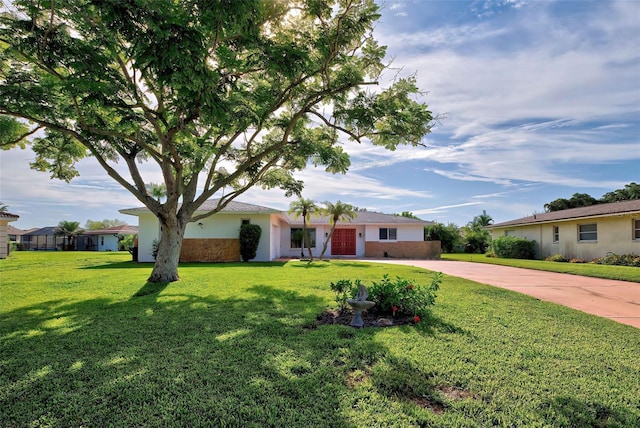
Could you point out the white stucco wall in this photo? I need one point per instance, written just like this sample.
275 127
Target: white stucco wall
107 243
615 234
148 231
220 225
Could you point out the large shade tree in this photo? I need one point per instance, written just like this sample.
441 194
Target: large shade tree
220 95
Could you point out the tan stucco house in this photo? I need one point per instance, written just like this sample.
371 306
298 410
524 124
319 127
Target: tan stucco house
584 233
215 238
5 219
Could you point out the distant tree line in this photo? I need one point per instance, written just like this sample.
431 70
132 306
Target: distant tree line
630 191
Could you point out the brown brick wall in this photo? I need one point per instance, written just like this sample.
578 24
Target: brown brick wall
404 249
210 250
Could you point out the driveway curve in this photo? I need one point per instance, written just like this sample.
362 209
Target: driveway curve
616 300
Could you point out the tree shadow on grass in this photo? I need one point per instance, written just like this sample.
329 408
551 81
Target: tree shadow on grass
150 288
191 360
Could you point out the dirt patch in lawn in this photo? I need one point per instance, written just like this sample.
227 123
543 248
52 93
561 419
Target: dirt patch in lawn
344 317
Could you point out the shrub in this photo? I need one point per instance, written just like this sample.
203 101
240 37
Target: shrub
476 241
619 260
344 290
557 258
511 247
402 298
249 240
154 248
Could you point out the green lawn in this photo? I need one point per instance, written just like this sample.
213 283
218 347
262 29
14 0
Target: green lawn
85 342
623 273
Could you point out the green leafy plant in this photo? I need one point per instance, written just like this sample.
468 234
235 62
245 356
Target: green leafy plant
249 240
345 289
557 258
511 247
154 248
619 260
402 297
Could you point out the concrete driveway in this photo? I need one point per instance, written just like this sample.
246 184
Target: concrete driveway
617 300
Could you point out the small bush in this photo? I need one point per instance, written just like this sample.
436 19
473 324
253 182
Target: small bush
557 258
154 248
511 247
619 260
402 298
344 290
249 240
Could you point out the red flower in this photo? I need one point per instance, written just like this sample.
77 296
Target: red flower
416 319
395 309
410 287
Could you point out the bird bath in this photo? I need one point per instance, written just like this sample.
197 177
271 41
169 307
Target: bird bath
359 304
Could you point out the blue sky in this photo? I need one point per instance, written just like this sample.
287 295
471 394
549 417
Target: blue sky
541 99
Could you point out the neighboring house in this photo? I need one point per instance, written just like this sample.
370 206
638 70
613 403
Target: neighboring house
42 239
583 233
215 238
5 219
15 235
104 239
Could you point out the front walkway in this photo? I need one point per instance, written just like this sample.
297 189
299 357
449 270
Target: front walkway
617 300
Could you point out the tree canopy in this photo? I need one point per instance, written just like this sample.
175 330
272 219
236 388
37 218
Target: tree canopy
103 224
219 95
630 191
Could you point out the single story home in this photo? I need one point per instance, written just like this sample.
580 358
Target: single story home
15 235
582 233
44 238
105 239
5 219
215 238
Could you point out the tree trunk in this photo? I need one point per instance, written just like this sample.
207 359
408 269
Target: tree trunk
165 268
326 241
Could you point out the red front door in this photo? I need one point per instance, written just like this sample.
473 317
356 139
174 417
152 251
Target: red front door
343 242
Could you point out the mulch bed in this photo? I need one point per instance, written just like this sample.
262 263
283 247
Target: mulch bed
333 316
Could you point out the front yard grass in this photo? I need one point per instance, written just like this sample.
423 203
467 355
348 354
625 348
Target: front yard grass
622 273
85 342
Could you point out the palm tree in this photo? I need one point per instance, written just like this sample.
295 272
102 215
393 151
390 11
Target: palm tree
158 191
304 208
68 229
336 212
482 220
3 208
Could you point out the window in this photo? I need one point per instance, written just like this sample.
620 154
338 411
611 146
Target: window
388 234
509 233
297 236
588 232
636 229
246 221
556 234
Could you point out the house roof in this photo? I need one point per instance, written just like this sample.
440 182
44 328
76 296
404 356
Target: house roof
15 231
114 230
8 216
236 207
362 217
598 210
233 207
49 230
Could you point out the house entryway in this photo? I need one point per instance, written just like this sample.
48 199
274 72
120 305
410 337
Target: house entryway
343 242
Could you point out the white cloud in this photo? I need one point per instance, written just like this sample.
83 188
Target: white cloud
443 209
